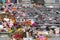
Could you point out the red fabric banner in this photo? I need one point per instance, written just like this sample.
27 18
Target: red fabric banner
8 1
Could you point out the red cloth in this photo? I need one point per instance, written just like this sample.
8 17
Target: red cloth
15 24
7 25
34 24
8 1
18 36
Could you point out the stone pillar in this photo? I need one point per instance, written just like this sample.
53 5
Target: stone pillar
17 1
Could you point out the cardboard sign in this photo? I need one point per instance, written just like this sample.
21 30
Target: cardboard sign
25 0
27 39
4 37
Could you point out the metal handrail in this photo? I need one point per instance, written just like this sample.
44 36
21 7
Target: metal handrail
49 24
4 33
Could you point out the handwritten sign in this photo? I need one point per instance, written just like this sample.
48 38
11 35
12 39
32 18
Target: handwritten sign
27 38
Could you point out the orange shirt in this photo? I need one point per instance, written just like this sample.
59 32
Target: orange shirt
29 22
13 19
46 38
37 38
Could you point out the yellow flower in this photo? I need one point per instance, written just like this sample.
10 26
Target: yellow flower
20 29
10 30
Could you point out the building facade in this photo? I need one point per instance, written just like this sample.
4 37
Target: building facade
39 1
54 3
18 1
10 1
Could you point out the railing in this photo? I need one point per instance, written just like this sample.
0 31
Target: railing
4 33
50 24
